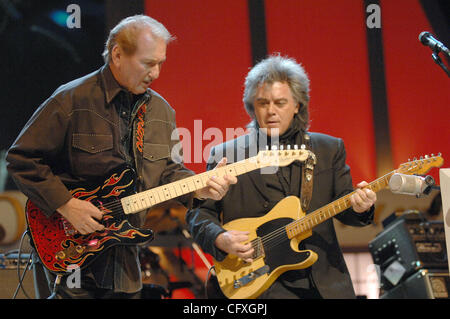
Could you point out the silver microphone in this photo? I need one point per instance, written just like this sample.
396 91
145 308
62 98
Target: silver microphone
411 184
427 39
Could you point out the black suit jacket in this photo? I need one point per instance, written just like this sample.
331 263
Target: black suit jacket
248 198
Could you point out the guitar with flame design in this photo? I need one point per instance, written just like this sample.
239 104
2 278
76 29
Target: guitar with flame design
59 245
277 235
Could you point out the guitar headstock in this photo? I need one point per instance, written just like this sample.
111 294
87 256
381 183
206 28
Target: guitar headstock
282 157
421 166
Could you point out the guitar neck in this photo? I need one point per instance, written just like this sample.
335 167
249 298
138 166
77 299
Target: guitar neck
326 212
144 200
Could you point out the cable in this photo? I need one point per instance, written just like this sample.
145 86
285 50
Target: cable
20 285
208 275
55 286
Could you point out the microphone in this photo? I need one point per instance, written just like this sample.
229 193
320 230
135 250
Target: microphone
427 39
411 184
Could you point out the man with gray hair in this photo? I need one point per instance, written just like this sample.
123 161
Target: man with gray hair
93 125
276 97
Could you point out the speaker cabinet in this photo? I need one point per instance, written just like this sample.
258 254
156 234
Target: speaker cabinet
406 245
424 284
9 278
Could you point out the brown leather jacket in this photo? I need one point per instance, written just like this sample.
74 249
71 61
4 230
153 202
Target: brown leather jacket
81 132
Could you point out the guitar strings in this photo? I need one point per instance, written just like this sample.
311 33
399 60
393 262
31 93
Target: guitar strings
242 167
279 235
230 168
270 240
305 223
117 204
273 238
276 237
117 209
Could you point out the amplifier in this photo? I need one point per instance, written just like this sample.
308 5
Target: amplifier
424 284
406 245
9 278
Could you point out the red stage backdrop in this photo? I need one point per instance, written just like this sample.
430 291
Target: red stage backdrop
418 89
205 69
202 78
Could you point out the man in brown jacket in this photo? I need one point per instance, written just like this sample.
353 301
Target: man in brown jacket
94 124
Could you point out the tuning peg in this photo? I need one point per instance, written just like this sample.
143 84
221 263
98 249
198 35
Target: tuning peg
303 146
281 147
274 147
267 147
295 147
289 147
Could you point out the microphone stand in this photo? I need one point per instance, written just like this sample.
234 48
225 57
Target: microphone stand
437 59
193 245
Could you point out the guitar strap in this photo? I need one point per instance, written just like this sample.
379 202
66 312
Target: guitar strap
138 126
307 175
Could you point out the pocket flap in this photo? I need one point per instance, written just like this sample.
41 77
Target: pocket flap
155 152
92 143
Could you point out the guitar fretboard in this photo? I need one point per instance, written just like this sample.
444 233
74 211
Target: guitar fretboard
141 201
326 212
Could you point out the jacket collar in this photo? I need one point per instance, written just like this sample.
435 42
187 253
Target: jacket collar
112 87
110 84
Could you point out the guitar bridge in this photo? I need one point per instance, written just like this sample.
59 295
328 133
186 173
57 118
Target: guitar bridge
69 230
258 248
250 277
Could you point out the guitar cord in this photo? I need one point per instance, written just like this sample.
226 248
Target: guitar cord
208 276
55 286
20 278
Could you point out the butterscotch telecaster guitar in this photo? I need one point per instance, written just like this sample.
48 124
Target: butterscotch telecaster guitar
276 236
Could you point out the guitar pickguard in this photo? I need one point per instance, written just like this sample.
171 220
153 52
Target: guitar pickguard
279 253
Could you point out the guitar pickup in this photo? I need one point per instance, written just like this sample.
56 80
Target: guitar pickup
251 276
258 248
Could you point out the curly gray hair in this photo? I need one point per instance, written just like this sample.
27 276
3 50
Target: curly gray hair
278 69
